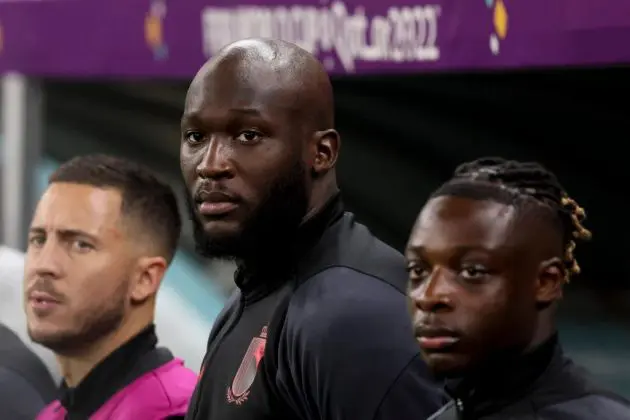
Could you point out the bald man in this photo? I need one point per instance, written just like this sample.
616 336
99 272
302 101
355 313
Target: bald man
318 327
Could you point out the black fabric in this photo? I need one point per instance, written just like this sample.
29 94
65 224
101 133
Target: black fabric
269 370
542 384
448 412
15 356
346 348
254 287
25 383
230 312
492 386
331 241
19 400
123 366
316 262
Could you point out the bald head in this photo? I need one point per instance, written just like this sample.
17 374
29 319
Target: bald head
278 73
257 134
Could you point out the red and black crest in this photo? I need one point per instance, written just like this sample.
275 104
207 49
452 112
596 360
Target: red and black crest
238 392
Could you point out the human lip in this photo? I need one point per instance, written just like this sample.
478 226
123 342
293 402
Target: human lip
39 295
435 339
215 203
42 302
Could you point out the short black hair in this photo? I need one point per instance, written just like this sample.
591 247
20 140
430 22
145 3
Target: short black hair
518 183
151 202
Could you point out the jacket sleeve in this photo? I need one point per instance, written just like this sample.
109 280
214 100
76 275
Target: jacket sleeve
18 398
347 352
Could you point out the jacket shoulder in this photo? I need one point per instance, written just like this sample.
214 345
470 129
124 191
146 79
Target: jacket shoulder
600 406
350 244
165 391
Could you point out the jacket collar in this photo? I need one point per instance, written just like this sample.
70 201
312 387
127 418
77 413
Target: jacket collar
507 379
115 372
256 282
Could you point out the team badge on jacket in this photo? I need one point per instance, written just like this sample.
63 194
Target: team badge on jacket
238 392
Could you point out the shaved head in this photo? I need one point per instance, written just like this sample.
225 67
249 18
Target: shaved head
257 132
282 71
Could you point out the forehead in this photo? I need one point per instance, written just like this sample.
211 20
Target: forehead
239 87
84 208
448 222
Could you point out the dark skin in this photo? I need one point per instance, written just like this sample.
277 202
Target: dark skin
253 114
483 277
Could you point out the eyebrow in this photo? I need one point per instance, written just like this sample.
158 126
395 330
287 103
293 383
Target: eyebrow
189 117
460 249
64 233
194 115
246 111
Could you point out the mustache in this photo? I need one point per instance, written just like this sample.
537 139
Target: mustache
44 286
208 191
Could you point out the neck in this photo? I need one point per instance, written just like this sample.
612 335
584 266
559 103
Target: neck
319 207
321 195
76 366
544 332
257 276
281 243
504 377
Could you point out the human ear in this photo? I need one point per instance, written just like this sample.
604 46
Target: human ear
147 278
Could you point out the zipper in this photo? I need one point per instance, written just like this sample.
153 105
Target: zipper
459 404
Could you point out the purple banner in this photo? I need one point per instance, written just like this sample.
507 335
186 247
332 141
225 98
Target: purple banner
168 39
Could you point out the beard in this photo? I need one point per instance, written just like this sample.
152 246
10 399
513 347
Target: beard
271 227
92 324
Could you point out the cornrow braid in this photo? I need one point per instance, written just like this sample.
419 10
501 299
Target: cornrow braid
531 179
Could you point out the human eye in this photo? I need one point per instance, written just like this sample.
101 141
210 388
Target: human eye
36 240
193 137
474 272
82 246
417 271
249 137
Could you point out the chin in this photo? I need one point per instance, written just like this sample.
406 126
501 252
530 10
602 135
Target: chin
446 365
48 336
221 229
219 240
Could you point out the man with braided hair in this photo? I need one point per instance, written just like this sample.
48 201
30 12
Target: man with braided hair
487 259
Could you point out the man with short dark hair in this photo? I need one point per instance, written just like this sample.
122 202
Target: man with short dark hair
101 239
488 258
318 327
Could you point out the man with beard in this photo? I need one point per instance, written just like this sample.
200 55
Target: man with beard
101 239
488 258
317 328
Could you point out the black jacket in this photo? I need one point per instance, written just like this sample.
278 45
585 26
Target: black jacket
543 385
333 341
25 383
